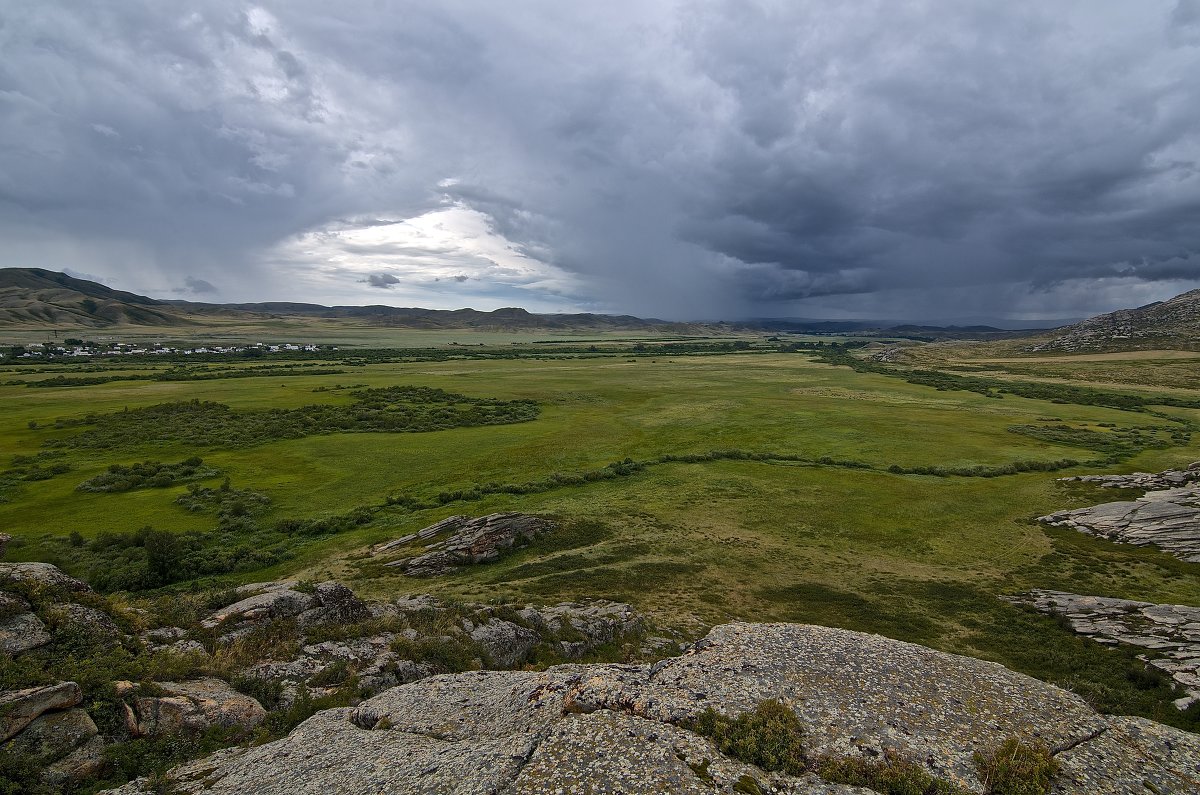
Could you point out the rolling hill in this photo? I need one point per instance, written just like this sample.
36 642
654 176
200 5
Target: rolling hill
36 297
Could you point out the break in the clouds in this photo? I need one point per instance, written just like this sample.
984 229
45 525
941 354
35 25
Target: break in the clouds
680 159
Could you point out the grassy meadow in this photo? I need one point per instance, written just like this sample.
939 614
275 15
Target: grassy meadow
797 518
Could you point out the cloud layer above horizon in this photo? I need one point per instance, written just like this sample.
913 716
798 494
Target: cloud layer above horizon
923 160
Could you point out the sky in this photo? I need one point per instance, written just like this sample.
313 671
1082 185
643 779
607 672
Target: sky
944 160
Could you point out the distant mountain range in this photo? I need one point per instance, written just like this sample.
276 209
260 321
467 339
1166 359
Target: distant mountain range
33 297
37 297
1164 324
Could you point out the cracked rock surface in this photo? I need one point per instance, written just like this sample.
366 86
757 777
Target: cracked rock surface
622 728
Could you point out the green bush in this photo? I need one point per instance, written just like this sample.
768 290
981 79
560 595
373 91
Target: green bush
769 736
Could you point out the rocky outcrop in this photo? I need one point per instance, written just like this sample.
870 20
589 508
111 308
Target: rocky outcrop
1166 518
187 707
42 575
478 540
624 728
83 620
1169 633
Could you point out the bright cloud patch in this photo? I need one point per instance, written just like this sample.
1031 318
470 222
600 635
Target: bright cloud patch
452 255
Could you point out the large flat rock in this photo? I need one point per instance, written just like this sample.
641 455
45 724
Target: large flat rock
623 728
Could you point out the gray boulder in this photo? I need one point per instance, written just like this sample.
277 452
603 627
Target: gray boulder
506 643
267 601
82 619
336 604
19 708
20 630
191 706
53 735
328 602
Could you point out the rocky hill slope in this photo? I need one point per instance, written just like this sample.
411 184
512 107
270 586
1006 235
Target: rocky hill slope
1166 324
861 702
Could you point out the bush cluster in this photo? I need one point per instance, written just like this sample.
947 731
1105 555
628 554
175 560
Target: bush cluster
399 409
147 475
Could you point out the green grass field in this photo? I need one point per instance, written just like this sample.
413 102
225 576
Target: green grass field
916 557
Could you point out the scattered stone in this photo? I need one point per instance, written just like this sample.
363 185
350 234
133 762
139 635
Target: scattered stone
622 728
479 540
191 706
1171 632
19 708
336 604
1167 518
4 539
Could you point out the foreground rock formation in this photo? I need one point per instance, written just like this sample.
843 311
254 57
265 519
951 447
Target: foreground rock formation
1167 516
622 728
1169 633
478 540
284 642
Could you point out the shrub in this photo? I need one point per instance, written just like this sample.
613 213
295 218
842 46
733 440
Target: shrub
1017 767
890 775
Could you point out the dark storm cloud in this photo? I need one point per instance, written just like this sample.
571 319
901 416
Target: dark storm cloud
667 158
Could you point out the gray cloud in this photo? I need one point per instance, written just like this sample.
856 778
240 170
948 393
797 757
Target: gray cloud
196 286
674 159
382 280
